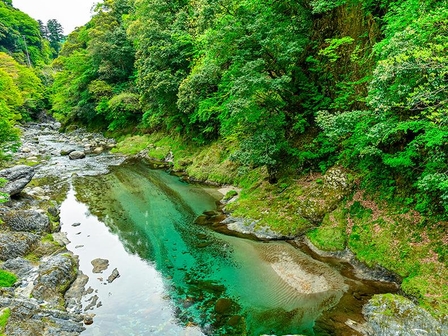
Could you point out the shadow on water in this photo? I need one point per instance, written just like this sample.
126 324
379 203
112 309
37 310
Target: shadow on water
188 278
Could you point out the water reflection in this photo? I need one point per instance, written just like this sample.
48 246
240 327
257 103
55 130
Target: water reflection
178 278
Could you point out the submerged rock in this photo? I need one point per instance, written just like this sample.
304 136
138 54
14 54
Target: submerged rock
18 177
389 314
66 151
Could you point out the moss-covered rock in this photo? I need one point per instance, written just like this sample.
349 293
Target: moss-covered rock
389 314
16 244
26 220
56 273
322 195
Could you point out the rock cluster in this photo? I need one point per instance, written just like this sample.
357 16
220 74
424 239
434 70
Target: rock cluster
389 314
76 144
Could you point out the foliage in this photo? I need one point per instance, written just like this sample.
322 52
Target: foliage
20 36
7 279
4 316
4 197
322 6
55 35
94 84
274 88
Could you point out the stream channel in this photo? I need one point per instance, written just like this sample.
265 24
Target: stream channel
177 277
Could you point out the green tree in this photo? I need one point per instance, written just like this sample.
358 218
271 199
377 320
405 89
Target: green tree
96 64
20 36
54 34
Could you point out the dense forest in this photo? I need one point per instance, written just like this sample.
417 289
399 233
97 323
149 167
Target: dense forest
292 87
360 83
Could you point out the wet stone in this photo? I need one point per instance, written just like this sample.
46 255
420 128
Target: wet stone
99 265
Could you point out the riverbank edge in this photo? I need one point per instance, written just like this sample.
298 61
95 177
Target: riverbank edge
47 295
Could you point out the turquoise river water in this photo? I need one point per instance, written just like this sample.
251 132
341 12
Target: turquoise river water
181 278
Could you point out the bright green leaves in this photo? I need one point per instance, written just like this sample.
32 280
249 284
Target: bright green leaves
22 89
411 78
96 78
322 6
12 97
164 50
20 36
123 109
332 51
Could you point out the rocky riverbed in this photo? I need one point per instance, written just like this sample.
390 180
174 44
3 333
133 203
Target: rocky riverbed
46 298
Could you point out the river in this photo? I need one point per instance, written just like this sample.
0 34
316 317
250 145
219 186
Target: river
180 278
177 277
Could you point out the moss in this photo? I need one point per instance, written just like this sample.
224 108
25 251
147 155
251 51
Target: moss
132 145
48 238
33 257
7 279
4 317
230 194
331 234
404 243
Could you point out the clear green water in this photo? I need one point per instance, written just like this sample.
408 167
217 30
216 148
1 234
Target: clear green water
179 278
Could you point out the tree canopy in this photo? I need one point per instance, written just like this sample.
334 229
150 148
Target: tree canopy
360 82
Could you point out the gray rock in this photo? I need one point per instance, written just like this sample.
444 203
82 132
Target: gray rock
26 220
88 319
76 155
54 211
17 178
93 302
56 273
115 274
62 327
249 227
337 179
390 315
73 297
99 265
27 318
61 238
98 150
19 266
16 244
66 151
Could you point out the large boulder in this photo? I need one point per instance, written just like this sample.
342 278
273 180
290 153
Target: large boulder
16 244
389 315
76 155
56 273
322 195
17 178
26 220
